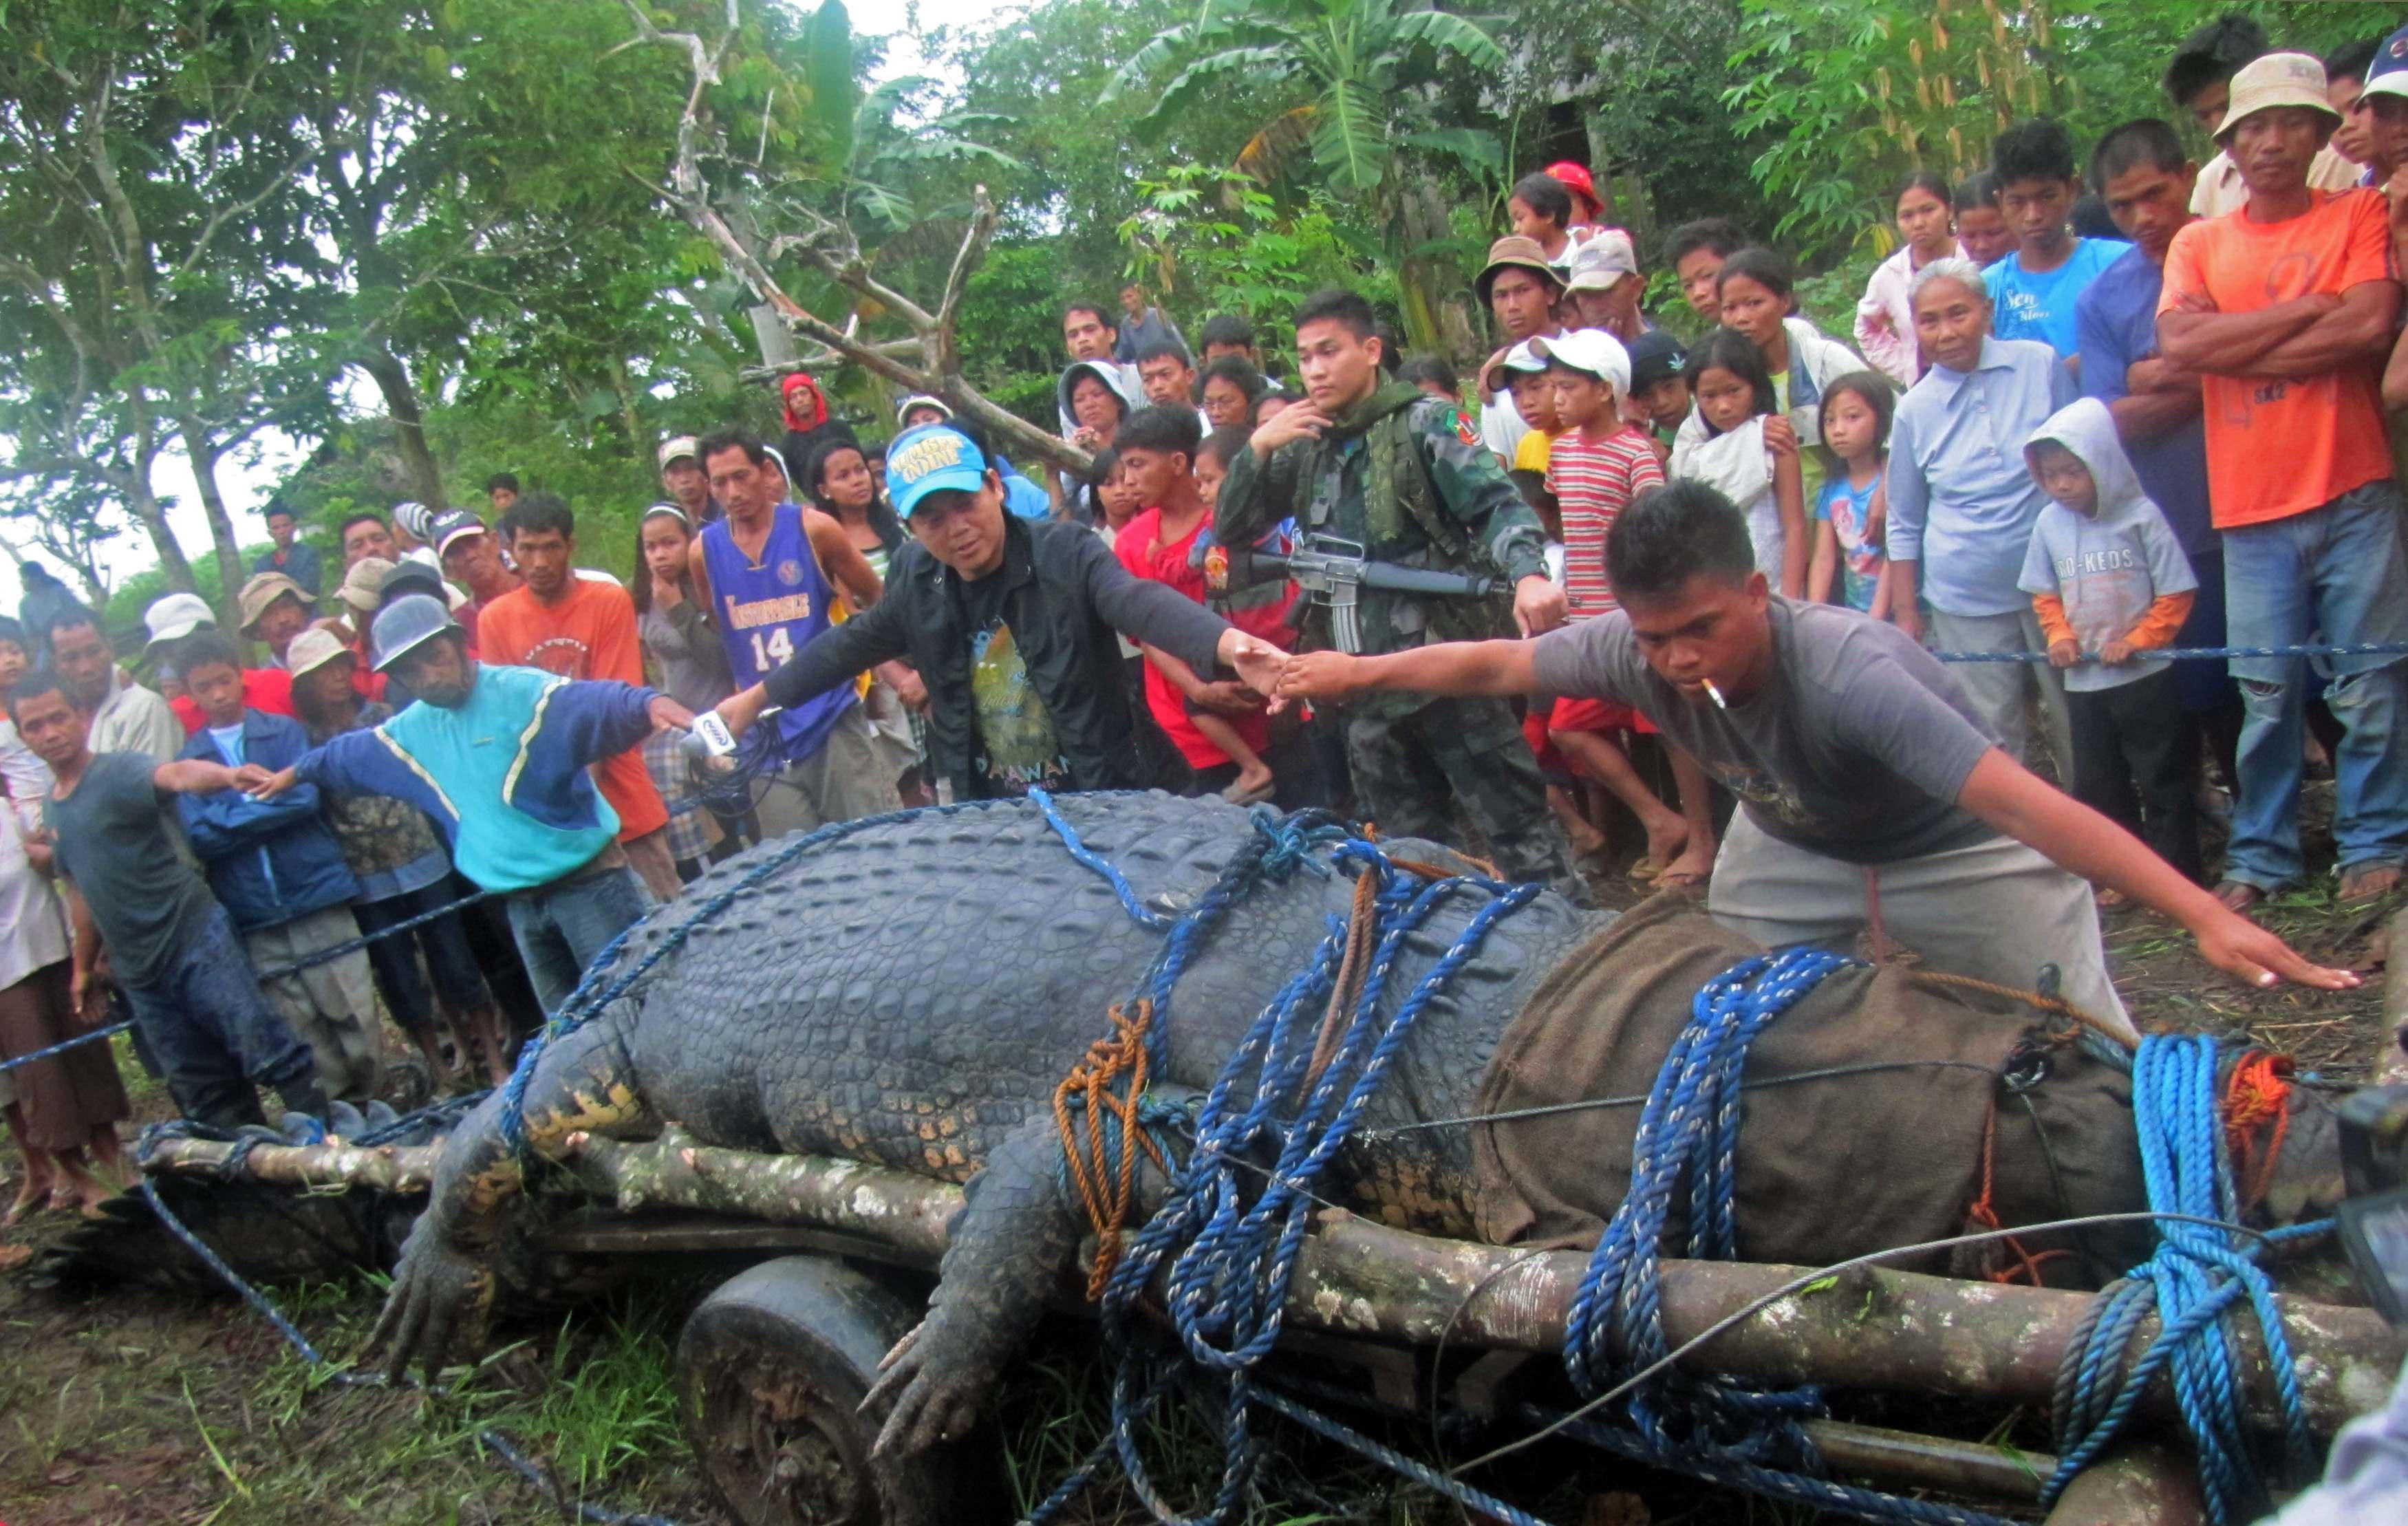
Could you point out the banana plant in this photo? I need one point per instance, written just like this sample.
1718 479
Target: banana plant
1346 77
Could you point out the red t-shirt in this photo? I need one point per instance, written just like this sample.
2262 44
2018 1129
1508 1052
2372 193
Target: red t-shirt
1169 565
2278 447
590 633
262 688
1593 482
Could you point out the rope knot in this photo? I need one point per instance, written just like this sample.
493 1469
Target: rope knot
1107 1085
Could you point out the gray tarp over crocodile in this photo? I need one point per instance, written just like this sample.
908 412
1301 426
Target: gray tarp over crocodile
911 994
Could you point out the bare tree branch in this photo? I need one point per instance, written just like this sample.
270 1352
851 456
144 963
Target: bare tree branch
830 247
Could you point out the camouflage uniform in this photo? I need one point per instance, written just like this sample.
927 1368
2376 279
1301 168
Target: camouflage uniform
1401 474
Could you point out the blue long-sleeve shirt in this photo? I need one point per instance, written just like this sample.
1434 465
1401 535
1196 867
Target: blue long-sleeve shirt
268 861
503 776
1961 501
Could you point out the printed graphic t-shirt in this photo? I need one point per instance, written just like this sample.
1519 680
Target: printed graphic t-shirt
1018 748
2039 304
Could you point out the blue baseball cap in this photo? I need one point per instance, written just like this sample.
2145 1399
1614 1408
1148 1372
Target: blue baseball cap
2388 74
933 458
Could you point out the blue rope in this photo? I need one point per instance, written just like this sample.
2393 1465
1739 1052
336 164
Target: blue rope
95 1036
308 961
344 1377
2197 1279
1724 1432
1227 1262
1690 1126
2180 654
1820 1493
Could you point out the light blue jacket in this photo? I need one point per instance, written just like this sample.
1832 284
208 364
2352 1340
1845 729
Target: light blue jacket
503 775
1960 500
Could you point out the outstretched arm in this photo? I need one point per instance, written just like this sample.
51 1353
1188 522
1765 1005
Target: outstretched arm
197 776
1463 667
2003 793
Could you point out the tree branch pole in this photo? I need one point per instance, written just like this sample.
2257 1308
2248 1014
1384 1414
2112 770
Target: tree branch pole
934 340
1884 1330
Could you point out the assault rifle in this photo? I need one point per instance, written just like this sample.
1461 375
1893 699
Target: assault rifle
1334 571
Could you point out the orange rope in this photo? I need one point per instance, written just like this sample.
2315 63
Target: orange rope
1107 1187
1983 1211
2257 1095
1107 1087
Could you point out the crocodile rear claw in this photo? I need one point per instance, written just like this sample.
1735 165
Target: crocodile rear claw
927 1403
436 1308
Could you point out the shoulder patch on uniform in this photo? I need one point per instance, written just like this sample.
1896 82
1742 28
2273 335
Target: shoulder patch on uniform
1465 430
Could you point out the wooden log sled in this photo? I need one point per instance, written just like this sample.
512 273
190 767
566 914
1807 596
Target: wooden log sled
1870 1329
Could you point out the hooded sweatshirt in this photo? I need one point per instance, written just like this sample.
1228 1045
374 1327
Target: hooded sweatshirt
1084 506
1121 379
2120 573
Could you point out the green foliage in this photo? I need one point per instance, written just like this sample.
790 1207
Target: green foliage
1848 97
1207 239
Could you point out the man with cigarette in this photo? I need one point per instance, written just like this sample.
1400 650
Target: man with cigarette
1867 782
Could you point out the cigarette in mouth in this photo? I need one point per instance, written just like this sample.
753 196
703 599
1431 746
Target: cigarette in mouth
1715 694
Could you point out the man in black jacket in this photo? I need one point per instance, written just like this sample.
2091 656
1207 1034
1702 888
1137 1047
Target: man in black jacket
1010 623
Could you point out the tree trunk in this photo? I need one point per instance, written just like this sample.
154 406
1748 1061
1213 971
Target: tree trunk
409 426
624 387
1866 1329
1437 309
231 569
144 503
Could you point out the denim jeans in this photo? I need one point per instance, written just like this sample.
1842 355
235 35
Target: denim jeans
2336 575
562 927
215 1036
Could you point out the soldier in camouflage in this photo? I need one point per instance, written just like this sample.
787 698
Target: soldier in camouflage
1384 464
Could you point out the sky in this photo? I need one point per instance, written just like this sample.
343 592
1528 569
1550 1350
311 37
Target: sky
246 479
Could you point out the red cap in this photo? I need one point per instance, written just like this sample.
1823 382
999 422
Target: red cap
1576 181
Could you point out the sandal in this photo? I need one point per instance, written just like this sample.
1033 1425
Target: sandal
2238 896
1239 794
1644 871
2354 885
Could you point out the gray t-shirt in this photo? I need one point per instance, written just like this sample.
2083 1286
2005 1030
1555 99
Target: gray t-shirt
113 840
2108 569
1856 747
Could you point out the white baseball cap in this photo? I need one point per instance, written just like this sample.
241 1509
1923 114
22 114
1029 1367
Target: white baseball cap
1519 358
177 615
1591 350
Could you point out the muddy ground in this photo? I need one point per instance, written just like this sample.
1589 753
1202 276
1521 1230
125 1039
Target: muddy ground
154 1410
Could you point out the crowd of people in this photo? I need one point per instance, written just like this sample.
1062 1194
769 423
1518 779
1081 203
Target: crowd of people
1622 573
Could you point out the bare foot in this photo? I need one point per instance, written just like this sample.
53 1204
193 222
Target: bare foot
32 1193
12 1257
2109 899
2235 896
1668 837
1691 870
2369 882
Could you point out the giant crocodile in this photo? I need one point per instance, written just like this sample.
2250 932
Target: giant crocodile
910 994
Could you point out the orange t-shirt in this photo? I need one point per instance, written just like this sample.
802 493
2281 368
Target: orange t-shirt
2278 447
589 634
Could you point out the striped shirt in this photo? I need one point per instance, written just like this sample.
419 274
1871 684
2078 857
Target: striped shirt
1592 481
